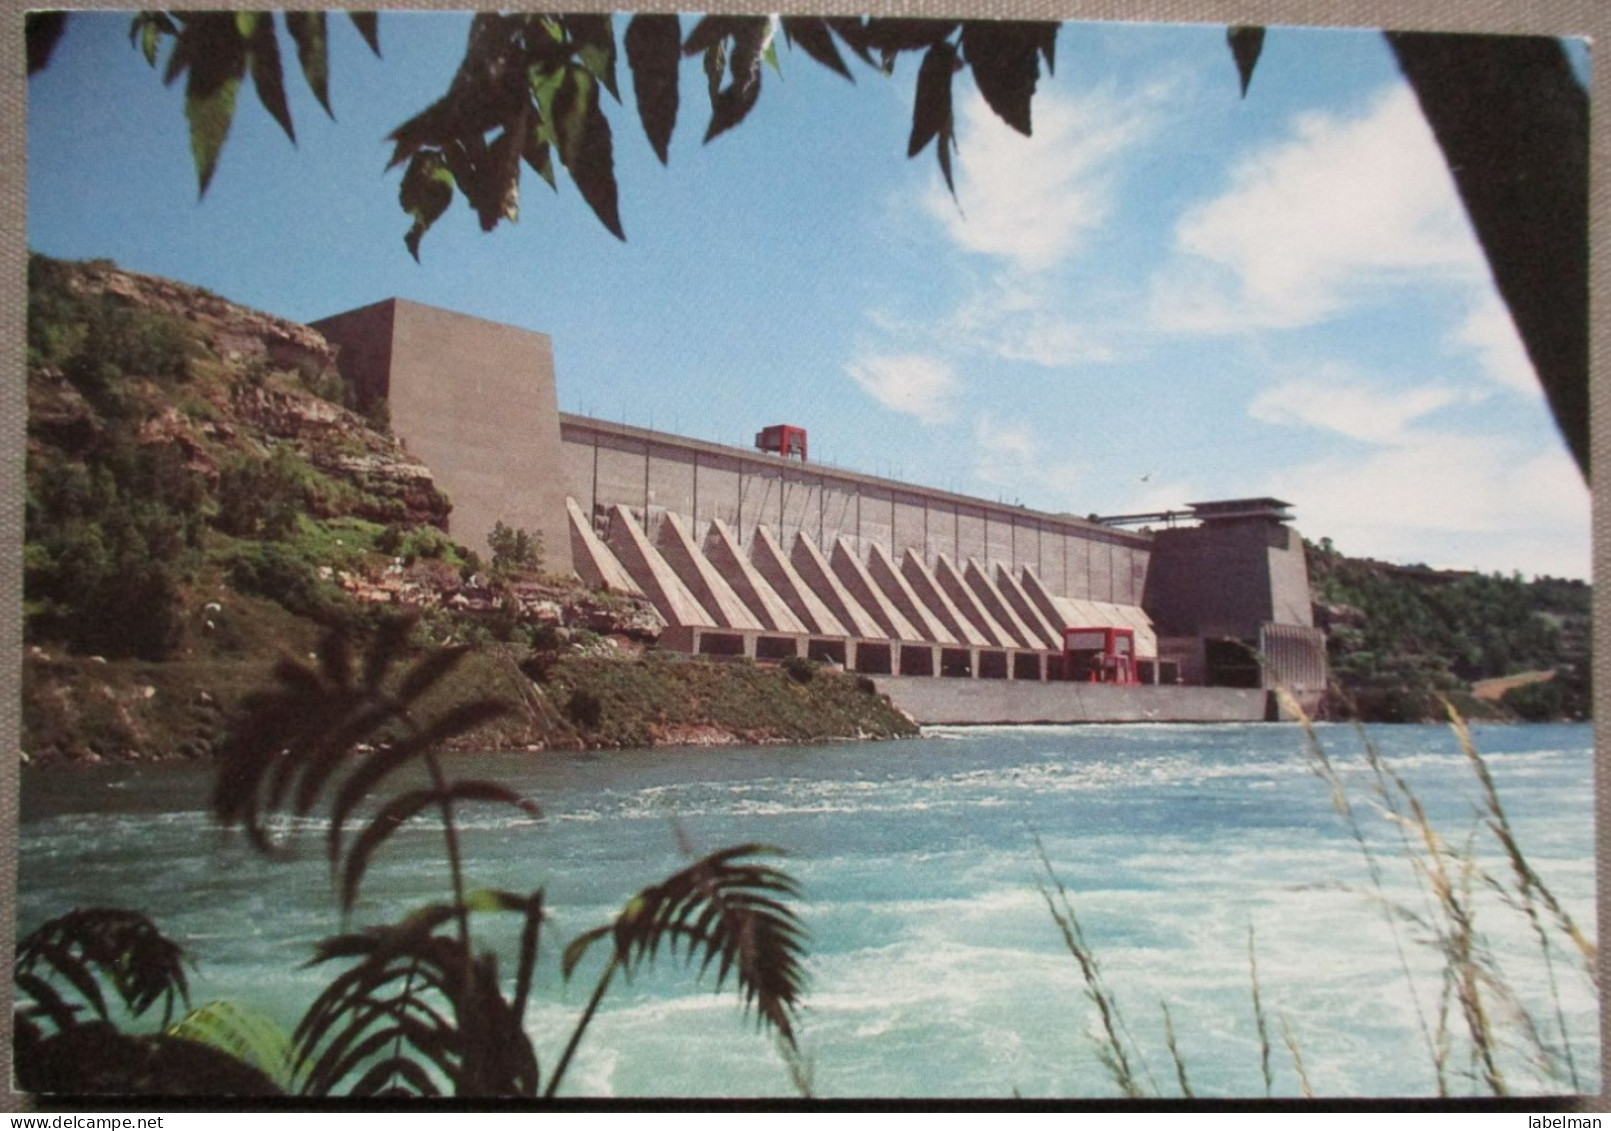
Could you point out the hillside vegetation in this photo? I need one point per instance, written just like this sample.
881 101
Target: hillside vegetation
205 496
1400 635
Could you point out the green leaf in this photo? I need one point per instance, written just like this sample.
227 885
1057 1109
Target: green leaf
539 154
426 192
585 146
811 33
1247 42
312 52
594 39
368 25
148 28
545 86
211 48
1004 57
494 900
267 76
248 1036
653 50
578 947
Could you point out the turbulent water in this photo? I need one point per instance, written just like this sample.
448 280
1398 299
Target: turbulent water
936 968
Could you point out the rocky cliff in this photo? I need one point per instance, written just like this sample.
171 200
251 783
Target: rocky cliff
206 496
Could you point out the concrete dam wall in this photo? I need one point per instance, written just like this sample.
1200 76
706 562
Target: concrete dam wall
745 552
652 473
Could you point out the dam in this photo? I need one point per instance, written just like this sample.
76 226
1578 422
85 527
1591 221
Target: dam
962 609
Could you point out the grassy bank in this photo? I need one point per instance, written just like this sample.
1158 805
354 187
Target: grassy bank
80 709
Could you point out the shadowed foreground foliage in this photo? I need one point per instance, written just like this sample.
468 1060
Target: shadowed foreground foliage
416 1007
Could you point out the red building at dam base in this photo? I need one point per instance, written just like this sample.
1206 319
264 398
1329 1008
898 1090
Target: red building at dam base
963 610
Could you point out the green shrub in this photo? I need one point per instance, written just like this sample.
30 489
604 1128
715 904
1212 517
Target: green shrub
515 550
412 543
1537 702
325 383
261 498
120 341
799 669
108 544
585 709
274 571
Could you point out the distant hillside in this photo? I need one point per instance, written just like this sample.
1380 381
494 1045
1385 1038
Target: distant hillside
1400 634
204 495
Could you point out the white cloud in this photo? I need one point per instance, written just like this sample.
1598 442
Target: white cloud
918 386
1336 403
1008 454
1489 332
1483 502
1030 200
1336 214
1017 322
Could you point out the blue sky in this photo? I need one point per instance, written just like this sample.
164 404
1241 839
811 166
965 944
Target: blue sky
1168 294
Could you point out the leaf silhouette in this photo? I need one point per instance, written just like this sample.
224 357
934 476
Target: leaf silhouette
42 30
732 104
98 1059
890 36
1247 42
593 39
148 28
419 995
654 49
726 911
368 25
931 110
396 812
584 146
211 49
1004 57
814 38
290 742
425 194
123 947
309 33
267 76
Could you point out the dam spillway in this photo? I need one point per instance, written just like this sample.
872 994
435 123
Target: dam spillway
748 553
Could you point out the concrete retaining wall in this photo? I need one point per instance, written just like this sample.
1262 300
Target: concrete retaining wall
970 701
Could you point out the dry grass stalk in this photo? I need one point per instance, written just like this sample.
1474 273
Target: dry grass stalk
1258 1015
1174 1051
1323 768
1111 1048
1297 1059
1531 891
1447 878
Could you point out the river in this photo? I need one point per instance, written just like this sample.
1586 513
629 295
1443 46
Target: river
936 968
